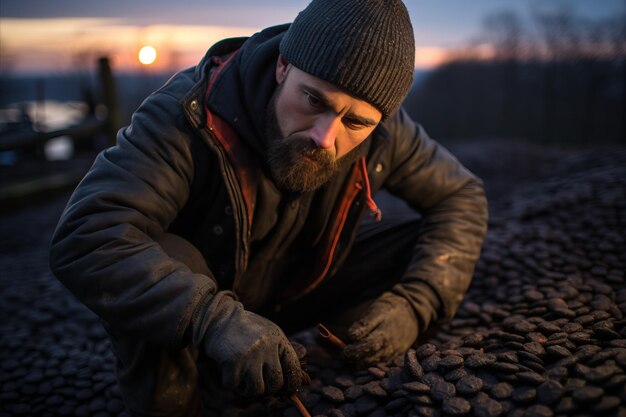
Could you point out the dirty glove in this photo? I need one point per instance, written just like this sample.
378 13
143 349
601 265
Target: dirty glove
253 353
389 327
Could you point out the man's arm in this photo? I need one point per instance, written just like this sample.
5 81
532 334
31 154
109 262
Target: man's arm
103 251
103 248
454 216
454 221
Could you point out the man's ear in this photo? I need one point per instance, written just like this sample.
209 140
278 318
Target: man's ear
282 68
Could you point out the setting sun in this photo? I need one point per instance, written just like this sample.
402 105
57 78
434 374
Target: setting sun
147 55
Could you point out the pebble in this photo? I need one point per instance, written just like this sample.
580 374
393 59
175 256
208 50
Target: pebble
523 394
412 364
469 385
538 411
333 394
480 360
549 392
365 404
441 390
540 332
374 389
416 387
502 390
456 406
451 362
587 394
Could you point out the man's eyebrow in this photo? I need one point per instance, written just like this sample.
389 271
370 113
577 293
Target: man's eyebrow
365 121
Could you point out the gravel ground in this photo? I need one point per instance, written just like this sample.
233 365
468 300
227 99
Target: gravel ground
541 331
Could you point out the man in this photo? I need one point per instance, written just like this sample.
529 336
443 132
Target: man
230 212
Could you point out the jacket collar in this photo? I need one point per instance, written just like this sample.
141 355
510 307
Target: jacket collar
243 89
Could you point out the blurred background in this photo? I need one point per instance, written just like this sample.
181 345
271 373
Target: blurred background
516 71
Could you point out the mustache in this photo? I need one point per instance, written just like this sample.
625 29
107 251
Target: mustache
304 146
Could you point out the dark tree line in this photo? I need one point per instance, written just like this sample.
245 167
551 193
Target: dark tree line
560 79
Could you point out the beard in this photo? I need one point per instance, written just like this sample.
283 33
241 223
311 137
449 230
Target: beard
295 162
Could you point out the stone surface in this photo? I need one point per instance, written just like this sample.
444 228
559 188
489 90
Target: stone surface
541 330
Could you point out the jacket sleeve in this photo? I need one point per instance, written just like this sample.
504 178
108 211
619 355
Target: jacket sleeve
103 249
453 206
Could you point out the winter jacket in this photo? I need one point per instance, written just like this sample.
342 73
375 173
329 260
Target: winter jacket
190 162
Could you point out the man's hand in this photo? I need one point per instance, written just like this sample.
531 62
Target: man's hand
388 328
254 354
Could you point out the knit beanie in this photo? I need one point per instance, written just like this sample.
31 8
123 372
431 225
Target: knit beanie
365 47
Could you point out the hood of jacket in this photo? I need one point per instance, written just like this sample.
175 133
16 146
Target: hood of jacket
243 89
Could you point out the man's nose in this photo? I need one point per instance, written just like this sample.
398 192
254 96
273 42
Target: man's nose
324 132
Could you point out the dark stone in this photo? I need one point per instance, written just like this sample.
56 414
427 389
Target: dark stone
469 385
456 406
523 394
344 381
534 348
504 367
510 357
425 350
528 366
21 409
84 394
558 351
34 376
572 384
480 360
549 392
580 337
548 327
425 411
538 411
523 354
502 390
353 392
416 387
373 388
441 390
455 374
587 394
451 362
115 406
412 365
566 406
531 378
333 394
376 372
483 406
363 379
431 363
365 404
600 374
521 327
606 404
420 399
566 362
396 404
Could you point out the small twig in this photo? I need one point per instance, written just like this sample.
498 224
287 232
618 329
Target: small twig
326 334
296 400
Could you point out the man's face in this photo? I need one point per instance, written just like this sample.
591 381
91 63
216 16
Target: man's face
313 128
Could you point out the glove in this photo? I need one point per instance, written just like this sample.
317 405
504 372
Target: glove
389 327
254 354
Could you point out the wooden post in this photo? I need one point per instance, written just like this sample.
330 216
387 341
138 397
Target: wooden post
110 100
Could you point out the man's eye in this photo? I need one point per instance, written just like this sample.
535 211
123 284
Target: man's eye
353 124
313 101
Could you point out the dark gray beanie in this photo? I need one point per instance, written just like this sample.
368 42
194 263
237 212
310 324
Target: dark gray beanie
365 47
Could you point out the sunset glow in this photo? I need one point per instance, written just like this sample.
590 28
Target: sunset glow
147 55
68 44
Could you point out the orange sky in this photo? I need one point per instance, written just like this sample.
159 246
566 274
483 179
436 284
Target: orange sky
65 44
